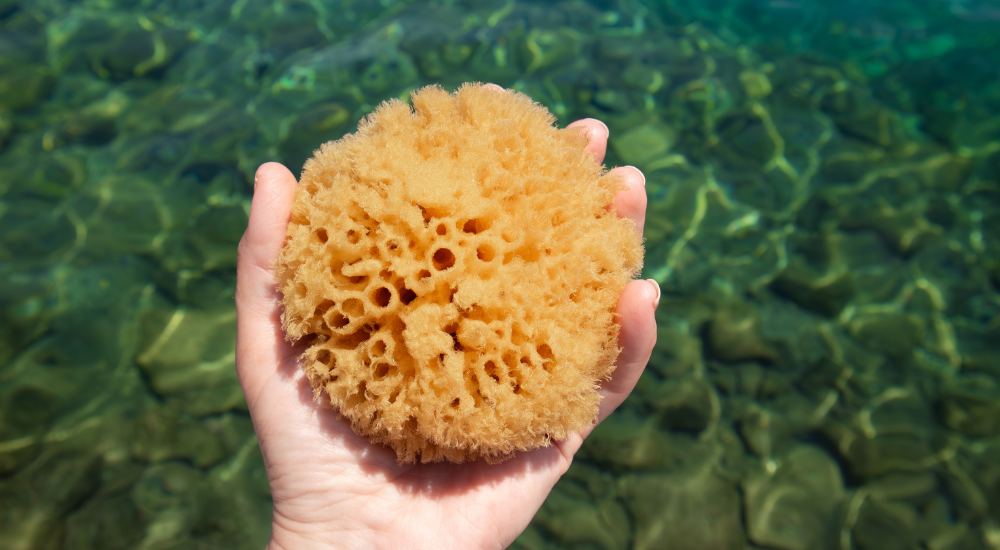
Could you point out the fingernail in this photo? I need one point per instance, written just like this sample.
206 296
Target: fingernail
606 131
640 173
656 285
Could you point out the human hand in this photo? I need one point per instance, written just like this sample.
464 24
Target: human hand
333 488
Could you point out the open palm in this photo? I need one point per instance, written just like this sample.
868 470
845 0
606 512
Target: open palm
334 489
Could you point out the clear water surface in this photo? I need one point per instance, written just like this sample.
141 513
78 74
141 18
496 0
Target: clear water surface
824 219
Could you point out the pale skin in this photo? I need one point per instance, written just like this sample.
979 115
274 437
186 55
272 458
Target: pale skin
334 489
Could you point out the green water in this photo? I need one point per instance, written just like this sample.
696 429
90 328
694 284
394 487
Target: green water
824 220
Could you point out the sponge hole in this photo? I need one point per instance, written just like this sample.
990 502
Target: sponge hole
322 235
323 307
517 336
337 320
325 357
406 296
475 226
485 253
382 370
443 259
423 274
382 296
546 352
441 229
353 237
378 348
491 370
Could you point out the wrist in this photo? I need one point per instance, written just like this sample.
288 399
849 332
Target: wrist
289 535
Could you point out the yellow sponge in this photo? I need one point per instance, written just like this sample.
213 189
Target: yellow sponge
454 269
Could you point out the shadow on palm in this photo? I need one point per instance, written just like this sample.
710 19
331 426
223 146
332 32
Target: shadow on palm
431 480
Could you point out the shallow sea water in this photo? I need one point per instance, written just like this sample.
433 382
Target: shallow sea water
824 220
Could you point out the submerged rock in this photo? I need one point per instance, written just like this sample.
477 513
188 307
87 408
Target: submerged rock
793 507
683 512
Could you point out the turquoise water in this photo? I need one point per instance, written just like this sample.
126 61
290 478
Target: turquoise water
824 220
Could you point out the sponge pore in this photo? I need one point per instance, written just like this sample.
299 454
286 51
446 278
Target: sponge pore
454 269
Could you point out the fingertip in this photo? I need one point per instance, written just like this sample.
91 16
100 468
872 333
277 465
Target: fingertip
492 86
274 193
641 179
631 201
604 127
598 134
639 298
596 130
636 312
272 172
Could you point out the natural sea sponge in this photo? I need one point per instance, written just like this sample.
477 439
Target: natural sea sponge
455 270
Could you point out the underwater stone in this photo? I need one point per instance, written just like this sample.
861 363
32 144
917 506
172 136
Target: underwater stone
894 334
761 429
881 454
886 526
635 444
189 349
34 503
6 127
627 445
205 401
971 405
821 293
603 524
317 124
683 512
219 139
35 231
170 496
755 83
734 334
162 435
84 129
237 500
642 144
793 509
684 405
899 486
744 142
389 70
905 231
612 100
676 353
216 233
431 64
24 413
133 218
543 48
644 78
110 519
139 52
615 48
24 87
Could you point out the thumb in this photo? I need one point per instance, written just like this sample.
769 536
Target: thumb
274 190
258 320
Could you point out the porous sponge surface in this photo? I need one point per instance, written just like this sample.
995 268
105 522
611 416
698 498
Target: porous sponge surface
455 269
